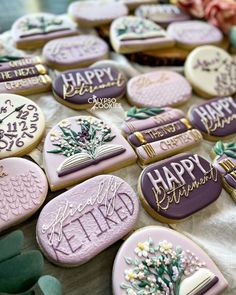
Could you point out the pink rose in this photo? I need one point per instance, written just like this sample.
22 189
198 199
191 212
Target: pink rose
193 7
221 13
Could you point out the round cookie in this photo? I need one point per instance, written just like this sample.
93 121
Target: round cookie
158 260
176 188
34 30
74 52
211 71
96 13
22 125
23 189
82 88
82 222
158 89
134 34
190 34
132 4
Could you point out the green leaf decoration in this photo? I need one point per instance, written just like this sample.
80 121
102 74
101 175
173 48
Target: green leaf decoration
49 285
231 144
124 286
128 260
219 148
6 58
231 149
230 154
143 113
58 151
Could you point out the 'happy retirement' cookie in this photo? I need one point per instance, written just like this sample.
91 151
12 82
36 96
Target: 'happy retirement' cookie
158 260
34 30
224 160
158 89
190 34
79 88
24 75
74 52
23 189
173 189
79 224
211 71
133 34
215 118
96 13
80 147
22 125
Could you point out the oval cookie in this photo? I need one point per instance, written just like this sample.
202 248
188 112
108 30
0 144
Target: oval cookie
22 125
211 71
215 118
174 189
80 147
23 189
74 52
79 224
157 260
79 89
158 89
190 34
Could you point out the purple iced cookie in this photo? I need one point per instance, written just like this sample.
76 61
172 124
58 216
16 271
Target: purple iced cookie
174 189
190 34
158 260
74 52
215 118
82 222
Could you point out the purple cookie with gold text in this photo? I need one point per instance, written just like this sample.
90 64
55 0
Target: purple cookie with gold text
175 188
158 260
82 222
80 147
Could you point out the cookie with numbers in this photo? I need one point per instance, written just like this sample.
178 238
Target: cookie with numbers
22 125
80 147
134 34
34 30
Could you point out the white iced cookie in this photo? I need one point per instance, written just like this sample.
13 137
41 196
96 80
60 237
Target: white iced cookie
22 125
211 71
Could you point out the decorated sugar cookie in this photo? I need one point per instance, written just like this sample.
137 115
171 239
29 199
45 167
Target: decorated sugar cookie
80 147
190 34
133 34
158 89
216 118
224 160
23 75
79 89
175 188
96 13
135 3
74 52
158 260
34 30
22 125
162 14
23 189
79 224
211 71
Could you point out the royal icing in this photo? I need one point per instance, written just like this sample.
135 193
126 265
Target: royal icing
23 189
79 224
22 125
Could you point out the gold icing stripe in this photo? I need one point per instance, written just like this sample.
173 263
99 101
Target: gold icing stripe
227 165
140 137
186 123
41 69
233 174
149 150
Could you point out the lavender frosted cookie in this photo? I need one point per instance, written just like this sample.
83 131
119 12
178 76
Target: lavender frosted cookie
176 188
23 189
34 30
96 13
158 89
79 89
80 147
216 118
82 222
158 260
74 52
135 3
133 34
224 160
211 72
190 34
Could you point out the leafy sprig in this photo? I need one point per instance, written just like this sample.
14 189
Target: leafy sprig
228 149
143 113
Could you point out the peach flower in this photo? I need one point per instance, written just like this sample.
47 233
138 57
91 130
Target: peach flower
193 7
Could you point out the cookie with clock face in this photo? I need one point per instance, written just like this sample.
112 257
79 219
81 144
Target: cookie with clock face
34 30
22 125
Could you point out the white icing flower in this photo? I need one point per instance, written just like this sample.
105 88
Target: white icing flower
142 249
130 275
141 266
55 136
165 247
149 262
131 292
64 124
141 275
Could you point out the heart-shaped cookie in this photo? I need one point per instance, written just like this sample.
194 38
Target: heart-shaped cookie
158 260
23 189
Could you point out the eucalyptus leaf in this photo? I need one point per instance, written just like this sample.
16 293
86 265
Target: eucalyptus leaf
230 154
